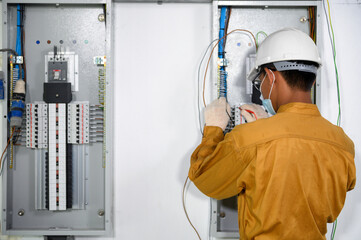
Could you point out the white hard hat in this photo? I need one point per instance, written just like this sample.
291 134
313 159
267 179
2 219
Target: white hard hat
286 45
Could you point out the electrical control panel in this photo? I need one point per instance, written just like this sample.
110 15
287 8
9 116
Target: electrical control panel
57 88
247 25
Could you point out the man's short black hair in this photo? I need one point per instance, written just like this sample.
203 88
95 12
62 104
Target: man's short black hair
296 79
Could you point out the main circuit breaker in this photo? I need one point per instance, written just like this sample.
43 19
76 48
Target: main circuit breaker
248 23
56 86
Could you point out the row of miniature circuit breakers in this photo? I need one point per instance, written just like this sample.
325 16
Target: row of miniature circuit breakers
235 118
38 122
57 156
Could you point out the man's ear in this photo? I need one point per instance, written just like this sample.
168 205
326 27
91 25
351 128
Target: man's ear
270 75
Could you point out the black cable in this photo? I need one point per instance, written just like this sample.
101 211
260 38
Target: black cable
230 118
199 70
228 17
9 50
22 18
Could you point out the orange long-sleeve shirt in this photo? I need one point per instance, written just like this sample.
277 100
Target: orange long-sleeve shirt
291 172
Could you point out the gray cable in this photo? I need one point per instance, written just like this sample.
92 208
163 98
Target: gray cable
198 99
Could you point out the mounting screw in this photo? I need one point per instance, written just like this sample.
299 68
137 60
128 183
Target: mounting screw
222 214
303 19
21 212
101 212
101 17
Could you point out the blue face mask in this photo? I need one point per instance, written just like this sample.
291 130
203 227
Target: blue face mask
267 103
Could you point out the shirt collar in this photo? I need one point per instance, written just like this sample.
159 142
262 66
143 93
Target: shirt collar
300 108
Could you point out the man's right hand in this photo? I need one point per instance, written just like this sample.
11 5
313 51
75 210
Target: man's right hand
253 112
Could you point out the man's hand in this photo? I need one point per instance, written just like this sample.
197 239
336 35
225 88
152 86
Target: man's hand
217 113
252 112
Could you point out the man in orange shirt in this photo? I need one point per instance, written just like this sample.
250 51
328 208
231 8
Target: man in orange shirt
290 171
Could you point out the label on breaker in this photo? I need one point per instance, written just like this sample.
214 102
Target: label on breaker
78 123
37 125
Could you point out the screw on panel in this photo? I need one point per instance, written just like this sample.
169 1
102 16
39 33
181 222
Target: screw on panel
21 212
101 212
222 214
101 17
303 19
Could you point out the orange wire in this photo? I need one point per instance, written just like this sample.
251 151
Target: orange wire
7 146
210 56
309 20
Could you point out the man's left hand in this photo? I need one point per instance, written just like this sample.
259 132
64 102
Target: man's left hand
217 113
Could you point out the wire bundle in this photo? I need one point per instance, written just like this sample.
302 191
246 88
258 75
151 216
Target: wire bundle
332 40
222 74
223 83
312 22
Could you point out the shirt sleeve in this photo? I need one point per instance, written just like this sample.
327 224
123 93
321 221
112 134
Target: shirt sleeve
351 181
216 164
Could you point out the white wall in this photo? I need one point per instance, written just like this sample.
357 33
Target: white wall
346 18
158 48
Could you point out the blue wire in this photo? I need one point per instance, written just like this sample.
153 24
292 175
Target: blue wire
18 39
222 26
18 33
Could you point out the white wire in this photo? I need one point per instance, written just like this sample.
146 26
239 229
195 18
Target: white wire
3 164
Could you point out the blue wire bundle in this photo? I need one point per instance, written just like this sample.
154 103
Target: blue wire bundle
222 72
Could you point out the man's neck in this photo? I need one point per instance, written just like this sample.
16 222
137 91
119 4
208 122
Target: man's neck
295 96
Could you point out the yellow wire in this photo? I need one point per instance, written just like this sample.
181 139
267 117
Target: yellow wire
11 98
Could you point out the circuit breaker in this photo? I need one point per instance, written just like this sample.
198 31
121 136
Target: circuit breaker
57 164
249 22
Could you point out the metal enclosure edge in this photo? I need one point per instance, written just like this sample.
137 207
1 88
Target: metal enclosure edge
108 115
109 181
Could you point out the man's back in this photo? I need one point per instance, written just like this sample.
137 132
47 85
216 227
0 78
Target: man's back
292 172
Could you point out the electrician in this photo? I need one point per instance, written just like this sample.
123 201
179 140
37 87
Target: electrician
290 171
